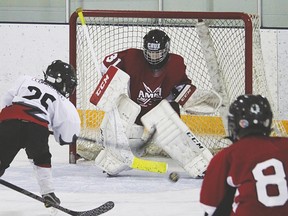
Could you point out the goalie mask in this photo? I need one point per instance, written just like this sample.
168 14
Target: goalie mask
248 115
62 77
156 48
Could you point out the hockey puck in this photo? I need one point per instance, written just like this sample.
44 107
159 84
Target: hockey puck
173 176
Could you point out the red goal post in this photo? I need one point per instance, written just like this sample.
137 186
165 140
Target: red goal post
222 51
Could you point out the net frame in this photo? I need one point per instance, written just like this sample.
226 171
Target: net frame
170 14
246 18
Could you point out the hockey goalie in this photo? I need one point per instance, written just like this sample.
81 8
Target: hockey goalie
141 92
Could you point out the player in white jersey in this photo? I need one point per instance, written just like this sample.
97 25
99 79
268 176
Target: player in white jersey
30 109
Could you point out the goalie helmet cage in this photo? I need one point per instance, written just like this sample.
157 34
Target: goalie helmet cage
222 51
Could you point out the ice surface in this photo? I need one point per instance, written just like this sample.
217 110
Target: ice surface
83 186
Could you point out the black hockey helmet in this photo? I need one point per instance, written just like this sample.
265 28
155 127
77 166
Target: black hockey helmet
62 77
248 115
156 48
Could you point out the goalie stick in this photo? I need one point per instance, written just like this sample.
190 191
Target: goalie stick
138 163
141 145
93 212
88 39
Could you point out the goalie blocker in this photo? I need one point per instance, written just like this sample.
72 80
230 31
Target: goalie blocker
113 84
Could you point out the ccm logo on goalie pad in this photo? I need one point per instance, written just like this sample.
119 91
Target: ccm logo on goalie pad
103 84
195 140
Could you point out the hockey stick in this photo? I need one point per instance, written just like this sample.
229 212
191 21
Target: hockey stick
90 140
138 163
142 144
88 39
93 212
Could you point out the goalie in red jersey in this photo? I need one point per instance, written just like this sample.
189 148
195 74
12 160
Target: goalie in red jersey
250 176
154 73
141 89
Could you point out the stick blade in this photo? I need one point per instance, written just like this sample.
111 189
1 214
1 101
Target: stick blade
99 210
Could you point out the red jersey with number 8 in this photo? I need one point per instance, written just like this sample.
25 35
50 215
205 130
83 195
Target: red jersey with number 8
257 166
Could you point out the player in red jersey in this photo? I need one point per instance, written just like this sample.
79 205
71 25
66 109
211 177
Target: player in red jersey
249 177
147 87
30 109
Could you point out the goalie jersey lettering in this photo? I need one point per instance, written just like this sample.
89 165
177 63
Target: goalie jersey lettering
31 99
257 166
147 86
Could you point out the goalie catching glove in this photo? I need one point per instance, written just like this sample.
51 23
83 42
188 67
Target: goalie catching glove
195 101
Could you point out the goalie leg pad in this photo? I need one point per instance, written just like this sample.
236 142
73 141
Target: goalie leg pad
136 133
88 150
117 155
110 162
128 112
198 164
122 117
176 139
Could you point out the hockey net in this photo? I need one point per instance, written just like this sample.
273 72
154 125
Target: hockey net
217 49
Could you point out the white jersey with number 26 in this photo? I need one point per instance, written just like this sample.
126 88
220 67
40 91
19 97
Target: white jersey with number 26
38 102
